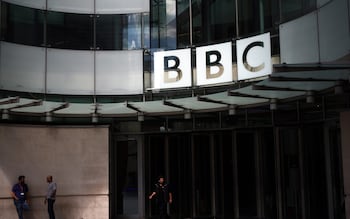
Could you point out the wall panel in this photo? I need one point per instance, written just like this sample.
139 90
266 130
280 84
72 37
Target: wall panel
119 72
77 157
70 71
22 68
39 4
76 6
121 6
296 45
334 30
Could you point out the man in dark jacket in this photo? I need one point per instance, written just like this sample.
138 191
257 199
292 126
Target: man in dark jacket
163 197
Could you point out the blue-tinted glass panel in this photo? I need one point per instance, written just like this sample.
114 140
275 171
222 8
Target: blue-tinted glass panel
146 31
213 21
22 25
69 31
257 16
119 32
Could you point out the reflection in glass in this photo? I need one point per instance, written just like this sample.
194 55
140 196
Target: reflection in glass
146 31
246 174
257 16
224 178
117 32
183 24
69 31
294 8
22 25
291 188
213 21
127 182
158 23
202 175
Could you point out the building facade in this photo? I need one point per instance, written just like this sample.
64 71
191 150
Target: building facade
83 75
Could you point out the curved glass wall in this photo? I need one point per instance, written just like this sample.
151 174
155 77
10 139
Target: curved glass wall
60 30
69 31
119 32
22 25
202 22
213 21
257 16
171 24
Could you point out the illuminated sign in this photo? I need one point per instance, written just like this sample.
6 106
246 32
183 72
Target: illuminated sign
254 57
214 64
172 69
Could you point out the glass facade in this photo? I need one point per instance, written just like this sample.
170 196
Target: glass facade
170 24
22 25
205 22
118 32
67 31
61 30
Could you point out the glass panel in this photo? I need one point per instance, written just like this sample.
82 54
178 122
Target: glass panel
246 174
70 72
146 31
121 7
22 25
117 32
183 24
17 71
158 24
290 173
202 175
39 4
180 173
224 181
69 31
315 172
76 6
269 176
257 16
155 166
336 169
296 8
127 178
213 21
119 72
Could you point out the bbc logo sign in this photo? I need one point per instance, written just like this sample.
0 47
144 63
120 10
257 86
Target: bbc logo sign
172 69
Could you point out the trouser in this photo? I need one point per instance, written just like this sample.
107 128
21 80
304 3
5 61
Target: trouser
50 210
162 210
19 208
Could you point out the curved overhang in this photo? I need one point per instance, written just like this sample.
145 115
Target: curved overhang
277 88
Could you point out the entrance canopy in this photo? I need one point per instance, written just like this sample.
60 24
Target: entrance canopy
277 88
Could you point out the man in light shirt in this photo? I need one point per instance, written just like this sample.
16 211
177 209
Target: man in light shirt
50 196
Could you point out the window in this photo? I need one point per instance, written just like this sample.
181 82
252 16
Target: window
69 31
257 16
116 32
295 8
22 25
213 21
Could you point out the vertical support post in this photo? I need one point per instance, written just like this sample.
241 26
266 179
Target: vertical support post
345 142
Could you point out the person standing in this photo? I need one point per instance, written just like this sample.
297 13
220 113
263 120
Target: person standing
163 197
19 195
50 196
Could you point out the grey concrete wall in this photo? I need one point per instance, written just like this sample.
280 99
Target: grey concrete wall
345 135
77 157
